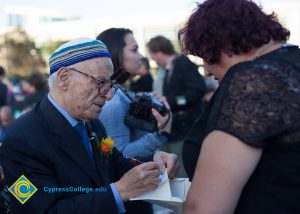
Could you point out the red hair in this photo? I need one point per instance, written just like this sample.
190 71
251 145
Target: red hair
228 25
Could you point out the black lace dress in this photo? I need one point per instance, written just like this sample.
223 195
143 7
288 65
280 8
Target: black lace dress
259 103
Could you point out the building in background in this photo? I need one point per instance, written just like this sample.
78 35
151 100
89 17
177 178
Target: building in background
48 26
29 17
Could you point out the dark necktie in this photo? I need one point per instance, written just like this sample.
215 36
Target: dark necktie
81 130
166 80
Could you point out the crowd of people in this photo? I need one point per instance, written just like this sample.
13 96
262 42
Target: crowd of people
18 95
237 141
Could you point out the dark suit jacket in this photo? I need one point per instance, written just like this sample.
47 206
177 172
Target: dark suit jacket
29 101
144 84
44 147
3 90
184 80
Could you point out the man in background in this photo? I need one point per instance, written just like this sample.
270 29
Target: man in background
183 85
6 118
3 87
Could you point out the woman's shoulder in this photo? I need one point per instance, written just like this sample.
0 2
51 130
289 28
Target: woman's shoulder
120 98
265 72
256 97
117 106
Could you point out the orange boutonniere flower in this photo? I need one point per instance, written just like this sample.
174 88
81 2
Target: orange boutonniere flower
106 146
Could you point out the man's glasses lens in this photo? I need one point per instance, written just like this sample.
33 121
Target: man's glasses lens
103 85
106 86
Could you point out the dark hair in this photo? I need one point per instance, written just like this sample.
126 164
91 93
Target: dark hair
228 25
2 71
145 62
161 44
38 81
114 38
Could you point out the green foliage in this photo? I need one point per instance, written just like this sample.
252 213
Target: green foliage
51 46
20 54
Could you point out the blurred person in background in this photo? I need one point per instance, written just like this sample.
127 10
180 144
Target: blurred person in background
6 118
145 81
131 141
34 90
249 147
211 87
3 87
183 86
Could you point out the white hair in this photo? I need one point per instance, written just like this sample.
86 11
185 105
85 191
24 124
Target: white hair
52 81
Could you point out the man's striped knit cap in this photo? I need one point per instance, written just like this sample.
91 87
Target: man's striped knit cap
75 51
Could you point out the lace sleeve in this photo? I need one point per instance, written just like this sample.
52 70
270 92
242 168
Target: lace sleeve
257 102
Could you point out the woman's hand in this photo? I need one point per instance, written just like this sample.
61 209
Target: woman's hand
167 161
164 123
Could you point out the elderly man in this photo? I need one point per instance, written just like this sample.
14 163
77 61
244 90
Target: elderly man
57 146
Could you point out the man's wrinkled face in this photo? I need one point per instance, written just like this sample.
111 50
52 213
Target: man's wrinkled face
84 100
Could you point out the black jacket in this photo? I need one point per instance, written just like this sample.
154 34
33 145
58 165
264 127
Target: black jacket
184 83
3 91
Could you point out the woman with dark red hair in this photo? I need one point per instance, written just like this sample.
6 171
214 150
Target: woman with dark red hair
248 142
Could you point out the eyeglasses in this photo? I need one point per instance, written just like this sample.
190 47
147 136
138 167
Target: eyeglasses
104 85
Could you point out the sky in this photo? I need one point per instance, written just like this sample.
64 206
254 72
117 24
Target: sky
103 8
89 9
106 8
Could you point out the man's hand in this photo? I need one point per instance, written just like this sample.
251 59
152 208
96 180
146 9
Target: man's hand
167 161
138 180
162 120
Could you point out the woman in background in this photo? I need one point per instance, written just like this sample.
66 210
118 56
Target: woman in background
35 88
130 141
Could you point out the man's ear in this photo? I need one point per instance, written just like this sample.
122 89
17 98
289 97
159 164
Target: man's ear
63 78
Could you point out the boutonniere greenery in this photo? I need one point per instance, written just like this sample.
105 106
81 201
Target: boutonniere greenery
105 146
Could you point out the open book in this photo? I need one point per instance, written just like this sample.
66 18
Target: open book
170 193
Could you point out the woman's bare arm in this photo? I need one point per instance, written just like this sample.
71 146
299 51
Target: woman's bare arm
224 166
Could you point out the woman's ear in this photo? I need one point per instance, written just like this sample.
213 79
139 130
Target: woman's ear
63 77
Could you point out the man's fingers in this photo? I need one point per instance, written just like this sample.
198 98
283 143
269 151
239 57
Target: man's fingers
152 173
155 182
149 166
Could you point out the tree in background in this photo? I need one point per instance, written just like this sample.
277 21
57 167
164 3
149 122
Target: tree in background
50 46
19 54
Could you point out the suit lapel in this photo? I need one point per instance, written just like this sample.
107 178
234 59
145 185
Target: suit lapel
102 165
101 162
70 141
74 148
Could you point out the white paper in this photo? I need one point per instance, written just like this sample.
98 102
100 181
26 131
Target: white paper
170 194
